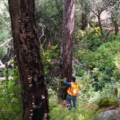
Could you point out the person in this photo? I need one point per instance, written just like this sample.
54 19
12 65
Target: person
72 92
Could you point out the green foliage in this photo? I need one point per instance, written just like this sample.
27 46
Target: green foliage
106 102
63 114
98 71
4 27
10 97
49 19
93 40
47 57
3 52
100 59
116 9
58 112
3 37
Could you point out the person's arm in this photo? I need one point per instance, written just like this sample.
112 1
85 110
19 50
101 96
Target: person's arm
67 83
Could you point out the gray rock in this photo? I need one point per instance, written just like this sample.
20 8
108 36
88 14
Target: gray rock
108 115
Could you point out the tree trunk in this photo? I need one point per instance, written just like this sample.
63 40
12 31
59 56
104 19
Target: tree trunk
115 23
67 42
26 45
100 25
84 21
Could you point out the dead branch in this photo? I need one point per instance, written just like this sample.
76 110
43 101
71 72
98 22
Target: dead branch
82 66
1 62
42 34
6 42
2 67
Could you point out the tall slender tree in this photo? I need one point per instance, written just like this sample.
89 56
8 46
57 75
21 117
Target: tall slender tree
26 44
67 41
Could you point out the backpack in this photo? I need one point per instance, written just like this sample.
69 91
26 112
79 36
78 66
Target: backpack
73 90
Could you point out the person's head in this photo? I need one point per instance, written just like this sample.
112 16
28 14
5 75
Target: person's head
73 79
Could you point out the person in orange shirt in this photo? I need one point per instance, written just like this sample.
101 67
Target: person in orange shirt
72 92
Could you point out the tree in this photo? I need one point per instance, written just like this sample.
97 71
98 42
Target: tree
67 42
26 44
99 6
84 6
50 23
115 14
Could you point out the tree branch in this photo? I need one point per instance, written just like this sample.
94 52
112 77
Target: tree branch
1 62
6 42
82 66
2 67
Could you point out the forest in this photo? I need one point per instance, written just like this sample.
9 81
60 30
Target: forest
48 49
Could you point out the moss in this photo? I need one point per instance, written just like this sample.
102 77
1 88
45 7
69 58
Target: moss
106 102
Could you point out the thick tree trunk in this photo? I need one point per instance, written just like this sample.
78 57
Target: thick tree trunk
26 44
67 42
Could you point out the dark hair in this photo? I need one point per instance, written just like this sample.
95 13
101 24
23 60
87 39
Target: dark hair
73 78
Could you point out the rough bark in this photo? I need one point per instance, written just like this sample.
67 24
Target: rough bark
67 42
26 44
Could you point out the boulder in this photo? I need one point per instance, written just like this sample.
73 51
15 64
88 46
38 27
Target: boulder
108 115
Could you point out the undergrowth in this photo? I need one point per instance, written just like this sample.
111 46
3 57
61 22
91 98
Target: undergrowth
84 110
